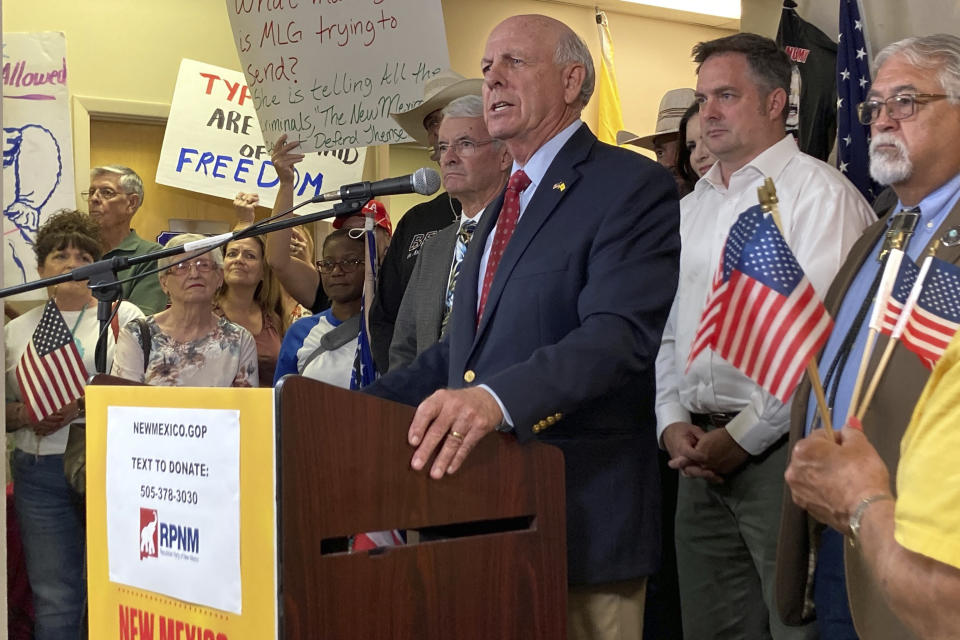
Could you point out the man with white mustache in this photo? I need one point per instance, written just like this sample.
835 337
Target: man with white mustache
913 108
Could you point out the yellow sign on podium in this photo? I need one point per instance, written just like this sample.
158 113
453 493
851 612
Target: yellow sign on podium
127 613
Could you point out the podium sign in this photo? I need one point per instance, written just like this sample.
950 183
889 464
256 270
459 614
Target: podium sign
168 494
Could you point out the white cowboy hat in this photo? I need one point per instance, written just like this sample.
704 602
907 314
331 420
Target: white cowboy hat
438 92
672 107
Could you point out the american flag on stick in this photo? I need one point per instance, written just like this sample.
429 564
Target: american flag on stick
50 372
935 318
763 315
364 368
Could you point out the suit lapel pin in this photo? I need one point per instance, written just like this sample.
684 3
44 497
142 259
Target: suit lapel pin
951 237
560 186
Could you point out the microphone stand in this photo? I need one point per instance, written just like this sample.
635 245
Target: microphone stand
106 288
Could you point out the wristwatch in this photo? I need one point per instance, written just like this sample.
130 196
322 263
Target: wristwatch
857 516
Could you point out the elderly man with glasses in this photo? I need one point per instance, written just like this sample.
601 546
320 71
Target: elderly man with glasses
115 195
913 109
475 169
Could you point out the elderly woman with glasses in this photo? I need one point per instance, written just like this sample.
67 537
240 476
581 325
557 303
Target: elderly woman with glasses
323 346
188 345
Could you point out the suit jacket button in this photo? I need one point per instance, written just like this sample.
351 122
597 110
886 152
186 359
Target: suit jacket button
558 415
469 376
551 420
537 428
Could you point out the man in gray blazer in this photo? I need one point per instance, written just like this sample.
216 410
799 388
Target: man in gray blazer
475 169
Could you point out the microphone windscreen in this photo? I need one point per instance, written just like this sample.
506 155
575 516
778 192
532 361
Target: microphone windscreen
426 181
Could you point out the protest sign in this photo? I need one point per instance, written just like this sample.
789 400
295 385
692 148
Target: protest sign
37 147
213 143
330 72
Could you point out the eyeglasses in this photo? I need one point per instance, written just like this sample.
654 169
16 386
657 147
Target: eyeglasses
106 193
464 148
202 266
900 106
347 265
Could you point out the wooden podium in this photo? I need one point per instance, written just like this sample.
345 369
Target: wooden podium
344 468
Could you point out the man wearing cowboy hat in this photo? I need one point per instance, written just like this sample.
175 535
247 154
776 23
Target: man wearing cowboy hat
423 220
665 139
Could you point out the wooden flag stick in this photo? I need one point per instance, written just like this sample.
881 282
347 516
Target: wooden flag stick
861 373
875 380
822 408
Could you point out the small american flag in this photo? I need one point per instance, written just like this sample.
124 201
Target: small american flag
50 373
936 317
906 277
364 368
763 315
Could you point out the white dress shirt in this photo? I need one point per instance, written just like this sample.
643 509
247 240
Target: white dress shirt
822 213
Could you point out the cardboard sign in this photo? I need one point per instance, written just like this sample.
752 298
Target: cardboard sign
213 143
181 489
330 73
37 147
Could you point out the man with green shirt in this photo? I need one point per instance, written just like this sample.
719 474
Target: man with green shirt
115 195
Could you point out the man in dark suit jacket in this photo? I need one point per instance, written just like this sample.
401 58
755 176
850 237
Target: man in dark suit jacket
914 150
567 338
475 169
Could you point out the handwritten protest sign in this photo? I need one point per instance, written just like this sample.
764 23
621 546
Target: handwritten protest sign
37 147
213 143
330 72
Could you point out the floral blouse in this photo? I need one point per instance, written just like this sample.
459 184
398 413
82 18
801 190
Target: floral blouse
225 358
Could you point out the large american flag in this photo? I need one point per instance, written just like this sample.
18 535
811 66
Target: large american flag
853 83
935 318
50 372
763 315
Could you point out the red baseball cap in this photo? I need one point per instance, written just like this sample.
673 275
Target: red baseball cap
380 217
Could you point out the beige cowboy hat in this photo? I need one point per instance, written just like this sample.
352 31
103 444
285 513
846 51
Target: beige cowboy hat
438 92
672 107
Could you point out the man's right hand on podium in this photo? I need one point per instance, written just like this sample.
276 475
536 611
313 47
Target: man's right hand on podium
452 421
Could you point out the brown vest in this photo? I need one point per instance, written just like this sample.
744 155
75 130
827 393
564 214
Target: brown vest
884 423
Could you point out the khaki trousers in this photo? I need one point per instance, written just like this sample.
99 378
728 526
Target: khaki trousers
610 611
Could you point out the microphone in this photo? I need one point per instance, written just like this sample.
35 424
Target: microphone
424 181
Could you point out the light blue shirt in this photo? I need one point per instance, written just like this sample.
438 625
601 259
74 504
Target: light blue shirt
933 210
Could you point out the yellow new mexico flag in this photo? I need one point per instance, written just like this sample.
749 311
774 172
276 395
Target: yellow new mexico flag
608 98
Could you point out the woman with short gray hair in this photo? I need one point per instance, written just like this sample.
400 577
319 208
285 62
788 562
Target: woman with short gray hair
187 344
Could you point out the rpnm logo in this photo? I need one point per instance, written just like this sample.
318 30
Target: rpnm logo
148 533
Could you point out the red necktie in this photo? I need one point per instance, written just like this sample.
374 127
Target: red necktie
506 223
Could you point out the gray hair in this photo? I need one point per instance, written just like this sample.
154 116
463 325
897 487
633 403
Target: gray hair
178 241
571 49
130 182
464 107
467 107
938 52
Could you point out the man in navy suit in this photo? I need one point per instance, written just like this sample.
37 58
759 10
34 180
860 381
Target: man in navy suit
555 326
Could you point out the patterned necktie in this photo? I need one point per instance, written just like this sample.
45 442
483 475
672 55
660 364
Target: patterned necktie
463 239
506 223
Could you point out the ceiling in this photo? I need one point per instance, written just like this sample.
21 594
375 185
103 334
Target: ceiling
632 8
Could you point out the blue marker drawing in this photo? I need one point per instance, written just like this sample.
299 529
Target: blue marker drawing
32 170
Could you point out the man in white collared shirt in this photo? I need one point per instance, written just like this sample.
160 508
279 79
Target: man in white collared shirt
724 433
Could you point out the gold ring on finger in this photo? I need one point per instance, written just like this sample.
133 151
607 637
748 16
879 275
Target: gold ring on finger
456 434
